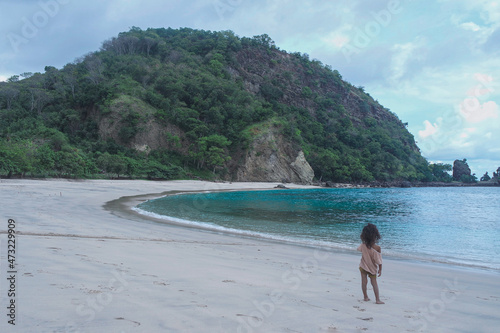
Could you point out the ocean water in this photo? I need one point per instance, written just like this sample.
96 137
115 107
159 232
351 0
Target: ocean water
449 225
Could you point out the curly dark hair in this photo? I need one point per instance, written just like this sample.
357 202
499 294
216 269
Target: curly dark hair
370 235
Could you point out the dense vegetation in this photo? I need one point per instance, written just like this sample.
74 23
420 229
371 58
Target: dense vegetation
463 174
196 96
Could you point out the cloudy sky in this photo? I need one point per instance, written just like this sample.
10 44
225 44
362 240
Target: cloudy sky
435 63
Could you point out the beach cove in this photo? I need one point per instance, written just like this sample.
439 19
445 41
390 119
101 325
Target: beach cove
86 262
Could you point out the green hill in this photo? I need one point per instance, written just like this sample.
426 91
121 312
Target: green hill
165 103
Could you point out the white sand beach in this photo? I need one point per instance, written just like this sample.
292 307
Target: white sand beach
85 262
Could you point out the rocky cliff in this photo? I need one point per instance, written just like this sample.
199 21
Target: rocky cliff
461 169
271 157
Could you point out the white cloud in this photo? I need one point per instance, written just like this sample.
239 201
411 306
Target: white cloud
485 78
484 87
338 38
480 166
491 11
451 141
475 112
430 129
480 16
470 26
403 53
467 132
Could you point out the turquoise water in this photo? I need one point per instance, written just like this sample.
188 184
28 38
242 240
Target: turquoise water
450 225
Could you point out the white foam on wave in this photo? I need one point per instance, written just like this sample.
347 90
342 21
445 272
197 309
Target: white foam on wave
246 233
310 242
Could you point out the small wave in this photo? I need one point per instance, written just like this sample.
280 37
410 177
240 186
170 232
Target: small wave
246 233
342 216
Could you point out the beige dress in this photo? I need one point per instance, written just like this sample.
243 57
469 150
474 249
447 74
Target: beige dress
370 259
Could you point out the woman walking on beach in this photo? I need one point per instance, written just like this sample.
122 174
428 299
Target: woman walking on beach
371 260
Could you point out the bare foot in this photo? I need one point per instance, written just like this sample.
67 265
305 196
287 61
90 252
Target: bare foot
379 302
366 299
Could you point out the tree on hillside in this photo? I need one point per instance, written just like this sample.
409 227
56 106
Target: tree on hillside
112 164
496 174
440 171
468 179
8 94
95 68
211 150
485 177
70 77
13 78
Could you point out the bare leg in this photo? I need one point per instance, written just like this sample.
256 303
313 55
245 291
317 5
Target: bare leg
373 280
364 282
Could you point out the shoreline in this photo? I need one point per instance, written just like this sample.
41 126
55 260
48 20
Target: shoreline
327 184
82 268
124 207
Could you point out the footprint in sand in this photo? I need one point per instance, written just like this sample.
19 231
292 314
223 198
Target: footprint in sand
132 321
160 283
149 275
242 315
